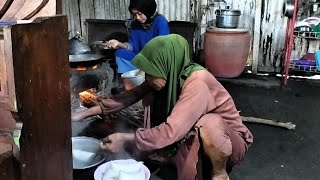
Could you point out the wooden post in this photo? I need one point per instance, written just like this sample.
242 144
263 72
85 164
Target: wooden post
58 6
7 89
256 37
41 75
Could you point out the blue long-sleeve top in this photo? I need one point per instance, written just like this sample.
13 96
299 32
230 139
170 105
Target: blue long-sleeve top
139 37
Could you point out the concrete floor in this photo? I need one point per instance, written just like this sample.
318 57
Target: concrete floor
276 153
279 153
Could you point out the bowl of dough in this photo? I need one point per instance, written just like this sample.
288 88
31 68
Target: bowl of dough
86 153
122 169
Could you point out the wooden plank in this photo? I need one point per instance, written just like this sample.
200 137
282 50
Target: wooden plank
248 11
109 10
7 170
37 9
71 8
7 91
272 39
287 125
48 10
123 9
256 37
118 6
7 123
12 11
3 78
86 12
4 6
9 166
58 6
41 71
11 94
28 7
99 9
2 3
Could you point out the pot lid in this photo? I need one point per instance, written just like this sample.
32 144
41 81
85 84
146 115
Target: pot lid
212 29
228 12
78 47
84 57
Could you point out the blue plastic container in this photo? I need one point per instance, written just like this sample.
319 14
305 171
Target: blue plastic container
318 59
5 23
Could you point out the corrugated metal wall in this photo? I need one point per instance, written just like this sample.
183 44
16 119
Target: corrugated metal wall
79 10
268 38
118 9
247 19
111 9
273 29
175 10
263 19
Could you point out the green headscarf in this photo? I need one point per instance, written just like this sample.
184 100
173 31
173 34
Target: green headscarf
167 57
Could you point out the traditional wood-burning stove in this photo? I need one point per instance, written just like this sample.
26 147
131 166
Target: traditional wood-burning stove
88 72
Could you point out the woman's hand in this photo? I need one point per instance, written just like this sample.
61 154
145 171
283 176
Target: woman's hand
88 102
114 142
113 44
111 105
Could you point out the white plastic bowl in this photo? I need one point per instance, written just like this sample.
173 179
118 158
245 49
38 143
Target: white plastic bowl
122 169
86 152
132 79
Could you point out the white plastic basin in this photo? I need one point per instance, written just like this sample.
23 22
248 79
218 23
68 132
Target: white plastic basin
132 79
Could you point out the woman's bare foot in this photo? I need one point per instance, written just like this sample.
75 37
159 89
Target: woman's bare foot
221 177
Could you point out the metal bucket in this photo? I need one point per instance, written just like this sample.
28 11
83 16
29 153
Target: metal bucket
86 153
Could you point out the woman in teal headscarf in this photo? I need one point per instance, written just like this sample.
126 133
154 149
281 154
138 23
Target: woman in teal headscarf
186 110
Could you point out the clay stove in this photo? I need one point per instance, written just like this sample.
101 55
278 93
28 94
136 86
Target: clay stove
90 72
89 77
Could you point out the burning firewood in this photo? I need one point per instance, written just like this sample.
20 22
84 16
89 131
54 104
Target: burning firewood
133 115
88 96
81 68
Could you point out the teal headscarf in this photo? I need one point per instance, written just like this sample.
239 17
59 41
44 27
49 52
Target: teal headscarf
167 57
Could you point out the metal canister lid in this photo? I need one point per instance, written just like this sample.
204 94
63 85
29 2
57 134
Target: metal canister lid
228 12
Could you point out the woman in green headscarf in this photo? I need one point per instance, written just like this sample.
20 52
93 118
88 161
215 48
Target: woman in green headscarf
186 110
